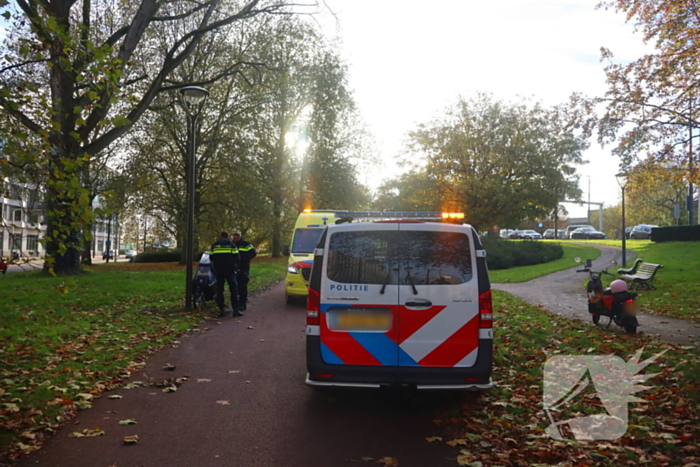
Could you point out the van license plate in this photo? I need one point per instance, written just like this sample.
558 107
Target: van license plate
360 320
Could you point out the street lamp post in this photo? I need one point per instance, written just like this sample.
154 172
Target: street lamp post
622 181
193 99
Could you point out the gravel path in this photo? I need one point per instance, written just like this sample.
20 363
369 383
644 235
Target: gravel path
562 293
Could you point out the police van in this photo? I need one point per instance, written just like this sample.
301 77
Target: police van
307 230
400 302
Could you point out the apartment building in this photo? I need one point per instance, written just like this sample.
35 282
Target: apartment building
23 223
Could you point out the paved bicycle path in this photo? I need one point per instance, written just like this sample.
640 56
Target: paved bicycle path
562 293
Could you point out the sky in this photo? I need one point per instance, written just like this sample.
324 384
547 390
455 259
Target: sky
408 60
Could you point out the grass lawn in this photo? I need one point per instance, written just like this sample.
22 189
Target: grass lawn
507 425
65 340
526 273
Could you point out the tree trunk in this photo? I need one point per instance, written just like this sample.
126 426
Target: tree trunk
87 247
62 249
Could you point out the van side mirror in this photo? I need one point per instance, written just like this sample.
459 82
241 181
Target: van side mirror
285 250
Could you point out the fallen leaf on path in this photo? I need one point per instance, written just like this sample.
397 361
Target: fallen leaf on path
433 438
132 439
86 433
169 367
203 380
134 385
234 371
455 442
223 402
388 462
26 448
170 389
114 396
128 421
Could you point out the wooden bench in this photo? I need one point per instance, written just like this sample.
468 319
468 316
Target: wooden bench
643 277
631 271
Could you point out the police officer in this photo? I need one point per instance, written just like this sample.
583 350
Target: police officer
247 252
225 258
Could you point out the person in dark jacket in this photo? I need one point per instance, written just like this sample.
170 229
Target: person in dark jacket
225 258
247 252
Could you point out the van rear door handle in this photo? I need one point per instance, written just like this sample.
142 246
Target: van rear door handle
419 302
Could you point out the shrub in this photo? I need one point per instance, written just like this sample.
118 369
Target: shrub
505 254
158 256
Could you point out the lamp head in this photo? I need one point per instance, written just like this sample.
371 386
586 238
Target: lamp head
621 179
194 98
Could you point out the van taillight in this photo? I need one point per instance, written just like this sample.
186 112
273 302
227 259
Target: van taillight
313 304
485 310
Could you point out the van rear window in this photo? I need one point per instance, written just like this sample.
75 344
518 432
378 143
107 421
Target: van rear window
400 258
305 240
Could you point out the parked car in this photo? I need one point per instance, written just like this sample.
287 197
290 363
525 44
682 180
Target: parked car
504 233
571 228
531 234
515 234
628 230
549 234
587 233
130 254
108 254
641 231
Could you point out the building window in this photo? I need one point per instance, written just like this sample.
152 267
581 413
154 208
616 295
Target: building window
16 241
15 191
17 215
100 245
33 218
101 228
32 242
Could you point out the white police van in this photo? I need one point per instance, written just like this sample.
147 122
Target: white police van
399 303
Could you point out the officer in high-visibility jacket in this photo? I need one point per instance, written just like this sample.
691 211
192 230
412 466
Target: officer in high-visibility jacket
225 258
247 252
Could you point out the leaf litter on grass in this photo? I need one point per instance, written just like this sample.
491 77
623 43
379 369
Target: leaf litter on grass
506 426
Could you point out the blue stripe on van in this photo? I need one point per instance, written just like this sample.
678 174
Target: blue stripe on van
330 357
379 345
405 359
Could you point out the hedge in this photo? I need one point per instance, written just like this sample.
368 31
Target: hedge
162 256
680 233
505 254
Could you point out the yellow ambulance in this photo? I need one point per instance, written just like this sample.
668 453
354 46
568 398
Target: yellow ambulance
308 229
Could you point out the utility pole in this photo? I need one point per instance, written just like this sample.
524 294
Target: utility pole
690 164
588 217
